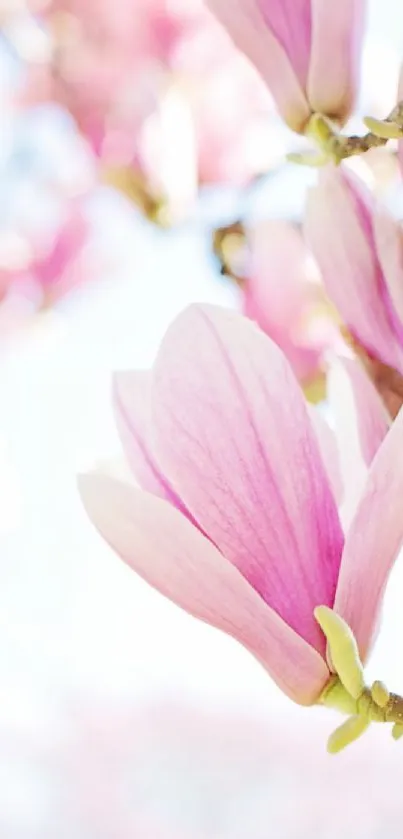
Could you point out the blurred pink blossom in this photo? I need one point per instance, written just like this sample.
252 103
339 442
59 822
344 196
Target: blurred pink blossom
38 269
284 295
308 52
61 267
250 540
152 89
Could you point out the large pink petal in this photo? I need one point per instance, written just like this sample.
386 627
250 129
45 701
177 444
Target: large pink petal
339 232
131 398
171 555
247 25
373 541
234 436
337 34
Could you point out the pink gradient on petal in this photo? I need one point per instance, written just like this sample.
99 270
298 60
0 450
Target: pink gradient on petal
373 541
338 228
366 210
388 238
131 399
373 421
290 22
328 448
283 298
171 555
337 36
315 43
247 25
245 462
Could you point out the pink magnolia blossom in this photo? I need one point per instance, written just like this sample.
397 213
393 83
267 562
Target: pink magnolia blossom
236 521
308 52
359 250
284 295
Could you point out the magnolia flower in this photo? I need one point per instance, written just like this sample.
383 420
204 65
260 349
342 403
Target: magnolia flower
282 292
236 521
359 250
308 52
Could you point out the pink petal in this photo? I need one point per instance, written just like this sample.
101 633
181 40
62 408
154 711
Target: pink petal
247 25
279 295
373 541
277 277
367 210
361 424
131 397
343 409
371 417
234 436
170 554
290 23
337 34
338 230
329 452
388 236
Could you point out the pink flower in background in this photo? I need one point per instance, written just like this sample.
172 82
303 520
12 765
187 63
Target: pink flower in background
359 250
308 52
284 296
62 267
39 268
151 88
238 524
